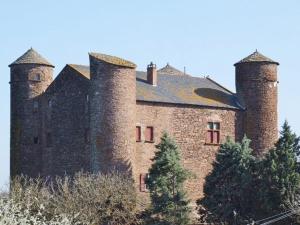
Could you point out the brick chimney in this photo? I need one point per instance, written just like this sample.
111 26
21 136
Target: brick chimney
152 74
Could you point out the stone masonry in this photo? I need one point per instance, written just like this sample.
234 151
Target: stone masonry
108 116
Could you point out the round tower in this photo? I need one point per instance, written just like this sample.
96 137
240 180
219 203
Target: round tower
112 113
30 75
256 87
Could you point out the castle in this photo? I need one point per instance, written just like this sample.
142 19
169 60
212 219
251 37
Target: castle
109 116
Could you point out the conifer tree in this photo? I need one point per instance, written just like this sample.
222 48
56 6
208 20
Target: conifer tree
169 204
279 178
227 191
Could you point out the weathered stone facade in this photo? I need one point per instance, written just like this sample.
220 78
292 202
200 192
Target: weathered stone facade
87 118
256 85
187 124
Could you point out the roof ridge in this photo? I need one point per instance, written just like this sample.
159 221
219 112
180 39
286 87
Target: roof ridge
221 86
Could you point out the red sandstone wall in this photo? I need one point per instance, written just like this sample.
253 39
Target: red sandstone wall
256 85
188 125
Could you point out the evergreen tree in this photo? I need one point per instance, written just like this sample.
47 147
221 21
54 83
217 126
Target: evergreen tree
227 191
169 204
279 178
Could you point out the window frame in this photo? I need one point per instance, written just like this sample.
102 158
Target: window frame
143 185
36 77
211 131
139 137
151 140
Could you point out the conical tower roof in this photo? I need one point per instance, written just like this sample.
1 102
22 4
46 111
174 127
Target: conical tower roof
256 57
31 57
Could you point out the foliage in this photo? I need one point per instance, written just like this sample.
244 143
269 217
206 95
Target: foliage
279 177
241 187
85 199
226 191
169 204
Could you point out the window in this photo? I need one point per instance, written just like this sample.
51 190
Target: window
35 105
36 77
35 140
213 133
87 98
143 185
87 135
149 134
49 139
138 133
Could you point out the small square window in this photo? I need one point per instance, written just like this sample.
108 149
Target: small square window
138 133
143 185
36 77
149 134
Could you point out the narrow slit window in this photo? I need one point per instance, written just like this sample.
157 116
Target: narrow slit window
35 105
87 135
49 103
49 139
143 185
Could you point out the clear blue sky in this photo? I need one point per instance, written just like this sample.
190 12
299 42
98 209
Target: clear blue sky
207 37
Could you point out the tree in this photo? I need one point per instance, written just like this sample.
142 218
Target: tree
169 204
279 178
228 191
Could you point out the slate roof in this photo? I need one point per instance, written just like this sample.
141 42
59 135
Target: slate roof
256 57
179 90
170 70
113 60
31 57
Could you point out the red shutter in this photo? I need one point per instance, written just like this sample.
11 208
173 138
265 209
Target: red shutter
209 137
138 133
216 137
149 134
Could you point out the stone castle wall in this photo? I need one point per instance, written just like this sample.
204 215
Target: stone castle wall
112 116
66 125
256 85
188 126
27 83
88 123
